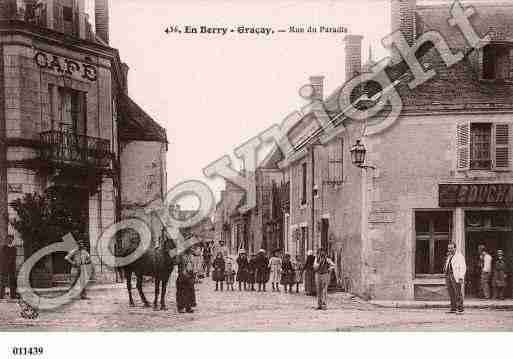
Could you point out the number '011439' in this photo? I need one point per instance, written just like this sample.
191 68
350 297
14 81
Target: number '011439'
27 351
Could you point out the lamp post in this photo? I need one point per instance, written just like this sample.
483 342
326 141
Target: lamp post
358 152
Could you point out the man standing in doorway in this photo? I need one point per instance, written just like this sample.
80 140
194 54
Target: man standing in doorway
486 271
323 266
455 269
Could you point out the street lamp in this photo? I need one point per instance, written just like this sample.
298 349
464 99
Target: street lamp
358 155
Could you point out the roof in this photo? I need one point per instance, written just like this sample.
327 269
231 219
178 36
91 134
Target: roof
136 124
460 84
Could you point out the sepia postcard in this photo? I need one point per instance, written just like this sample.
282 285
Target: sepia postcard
255 166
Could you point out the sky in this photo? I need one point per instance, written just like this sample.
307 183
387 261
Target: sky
212 93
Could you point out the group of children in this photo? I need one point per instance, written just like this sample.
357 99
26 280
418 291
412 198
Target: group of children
257 269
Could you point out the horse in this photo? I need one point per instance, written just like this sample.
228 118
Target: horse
156 263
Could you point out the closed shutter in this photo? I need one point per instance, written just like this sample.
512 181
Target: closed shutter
335 162
463 146
501 160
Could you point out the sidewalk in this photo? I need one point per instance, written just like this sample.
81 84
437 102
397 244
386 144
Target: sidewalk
419 304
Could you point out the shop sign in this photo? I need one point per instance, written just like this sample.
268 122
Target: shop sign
64 66
475 195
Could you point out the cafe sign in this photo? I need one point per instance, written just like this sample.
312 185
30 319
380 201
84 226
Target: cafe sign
475 195
64 66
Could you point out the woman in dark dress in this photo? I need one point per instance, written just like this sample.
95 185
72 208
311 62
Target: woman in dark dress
242 269
309 274
262 270
219 268
185 293
287 273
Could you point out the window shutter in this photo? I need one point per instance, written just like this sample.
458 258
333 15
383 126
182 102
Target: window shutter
501 160
463 146
335 161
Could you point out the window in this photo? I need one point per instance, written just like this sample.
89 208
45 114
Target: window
67 13
71 116
433 233
303 178
483 146
335 161
496 62
303 239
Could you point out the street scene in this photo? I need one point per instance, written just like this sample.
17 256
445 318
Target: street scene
108 310
144 188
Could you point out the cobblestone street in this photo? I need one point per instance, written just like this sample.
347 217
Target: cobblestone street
246 311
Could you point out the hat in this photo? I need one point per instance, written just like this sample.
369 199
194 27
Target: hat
261 250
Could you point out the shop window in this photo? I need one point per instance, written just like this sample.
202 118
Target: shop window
433 234
303 184
335 161
483 146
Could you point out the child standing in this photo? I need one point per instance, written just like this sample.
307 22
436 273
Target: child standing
499 276
298 272
275 270
251 273
218 273
229 274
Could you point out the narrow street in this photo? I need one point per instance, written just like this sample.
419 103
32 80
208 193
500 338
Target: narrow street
108 310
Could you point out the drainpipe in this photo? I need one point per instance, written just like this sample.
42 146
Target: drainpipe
312 152
4 213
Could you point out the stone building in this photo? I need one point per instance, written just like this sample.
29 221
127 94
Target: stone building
441 172
65 111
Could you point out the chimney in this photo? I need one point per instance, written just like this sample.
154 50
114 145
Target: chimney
101 18
317 82
353 50
402 18
125 69
82 19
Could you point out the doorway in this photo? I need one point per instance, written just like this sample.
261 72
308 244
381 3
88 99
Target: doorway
494 230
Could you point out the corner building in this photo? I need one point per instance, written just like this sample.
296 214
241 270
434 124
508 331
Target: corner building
63 104
443 168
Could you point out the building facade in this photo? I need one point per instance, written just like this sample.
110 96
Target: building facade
441 172
66 116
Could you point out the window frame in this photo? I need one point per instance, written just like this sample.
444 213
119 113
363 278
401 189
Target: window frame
500 146
304 186
336 161
432 237
501 52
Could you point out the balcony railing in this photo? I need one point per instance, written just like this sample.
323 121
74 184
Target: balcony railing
70 148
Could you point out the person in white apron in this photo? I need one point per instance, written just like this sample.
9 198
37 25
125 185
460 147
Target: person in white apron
81 267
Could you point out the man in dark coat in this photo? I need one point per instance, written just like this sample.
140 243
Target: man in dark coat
8 268
262 270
